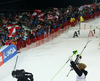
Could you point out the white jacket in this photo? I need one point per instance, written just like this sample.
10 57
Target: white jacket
81 78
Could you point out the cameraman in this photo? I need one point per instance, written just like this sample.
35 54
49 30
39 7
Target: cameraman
21 75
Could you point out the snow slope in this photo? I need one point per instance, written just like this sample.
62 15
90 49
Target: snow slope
46 60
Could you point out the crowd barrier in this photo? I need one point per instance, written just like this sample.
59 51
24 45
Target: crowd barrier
88 26
37 41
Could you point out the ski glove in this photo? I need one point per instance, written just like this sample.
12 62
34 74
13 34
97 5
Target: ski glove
78 58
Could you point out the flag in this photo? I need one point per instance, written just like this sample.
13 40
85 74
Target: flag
49 17
40 19
12 30
37 11
34 14
40 15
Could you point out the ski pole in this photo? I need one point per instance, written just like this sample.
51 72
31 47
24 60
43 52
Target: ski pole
79 56
16 62
74 53
85 47
69 71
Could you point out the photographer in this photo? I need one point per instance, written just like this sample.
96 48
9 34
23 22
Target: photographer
21 75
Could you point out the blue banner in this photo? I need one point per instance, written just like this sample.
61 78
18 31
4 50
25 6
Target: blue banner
9 52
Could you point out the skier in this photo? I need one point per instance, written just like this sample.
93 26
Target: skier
79 68
21 75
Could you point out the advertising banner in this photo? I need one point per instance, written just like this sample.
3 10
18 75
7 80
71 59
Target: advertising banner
83 33
1 59
9 52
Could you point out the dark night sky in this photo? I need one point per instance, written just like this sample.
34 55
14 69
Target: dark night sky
40 4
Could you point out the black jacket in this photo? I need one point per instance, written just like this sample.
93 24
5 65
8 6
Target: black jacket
22 76
79 72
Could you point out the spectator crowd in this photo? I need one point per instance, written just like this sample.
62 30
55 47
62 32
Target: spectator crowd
26 25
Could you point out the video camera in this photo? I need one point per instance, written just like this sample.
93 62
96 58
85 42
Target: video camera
22 74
